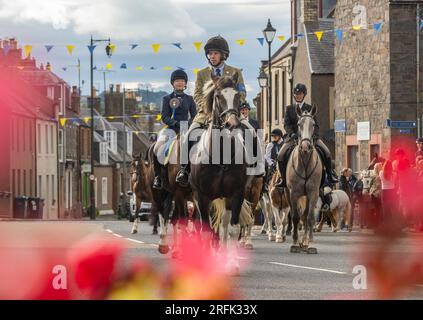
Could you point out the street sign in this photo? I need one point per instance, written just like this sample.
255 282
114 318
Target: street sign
340 125
92 177
396 124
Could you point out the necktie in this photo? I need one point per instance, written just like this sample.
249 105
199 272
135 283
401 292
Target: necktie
218 72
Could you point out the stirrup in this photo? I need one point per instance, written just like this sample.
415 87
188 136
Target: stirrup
182 178
157 184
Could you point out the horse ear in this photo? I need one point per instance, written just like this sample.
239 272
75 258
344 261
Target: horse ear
313 110
298 111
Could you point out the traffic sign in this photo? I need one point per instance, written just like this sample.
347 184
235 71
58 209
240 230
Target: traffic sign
396 124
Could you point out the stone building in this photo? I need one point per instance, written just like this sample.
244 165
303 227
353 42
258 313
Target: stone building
376 79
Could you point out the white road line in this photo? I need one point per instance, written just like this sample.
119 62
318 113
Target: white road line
308 268
136 241
108 230
117 235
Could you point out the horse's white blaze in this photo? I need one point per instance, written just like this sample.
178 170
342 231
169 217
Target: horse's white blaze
229 95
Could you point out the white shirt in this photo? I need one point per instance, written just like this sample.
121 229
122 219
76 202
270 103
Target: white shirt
268 154
387 184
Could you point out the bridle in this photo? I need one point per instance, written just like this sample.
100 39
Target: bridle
221 115
306 139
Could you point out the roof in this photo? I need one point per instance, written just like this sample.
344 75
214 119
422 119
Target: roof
320 54
40 77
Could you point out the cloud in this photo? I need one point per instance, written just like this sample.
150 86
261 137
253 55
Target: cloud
161 20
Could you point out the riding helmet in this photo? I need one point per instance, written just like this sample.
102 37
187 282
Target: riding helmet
419 140
245 105
218 44
178 74
276 132
299 87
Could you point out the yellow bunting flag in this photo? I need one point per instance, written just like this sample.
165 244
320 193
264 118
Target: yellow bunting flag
241 42
138 68
28 49
112 47
198 46
63 121
319 35
108 66
167 68
86 119
196 71
135 116
357 27
155 47
111 117
70 48
20 67
159 117
281 38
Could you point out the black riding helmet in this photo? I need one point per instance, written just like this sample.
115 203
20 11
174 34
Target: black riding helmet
419 140
276 132
244 105
178 74
217 44
299 87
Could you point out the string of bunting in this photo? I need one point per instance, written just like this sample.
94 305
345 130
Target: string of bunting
63 120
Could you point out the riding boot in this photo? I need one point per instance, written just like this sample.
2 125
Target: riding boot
157 184
281 184
183 174
327 162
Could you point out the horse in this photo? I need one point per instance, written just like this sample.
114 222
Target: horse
141 178
303 176
279 208
340 209
213 178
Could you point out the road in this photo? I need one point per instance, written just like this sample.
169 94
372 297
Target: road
271 271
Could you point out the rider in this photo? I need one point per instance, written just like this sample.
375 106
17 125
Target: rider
291 128
217 52
271 155
175 108
245 109
419 144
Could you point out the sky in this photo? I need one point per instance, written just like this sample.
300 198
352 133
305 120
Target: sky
71 22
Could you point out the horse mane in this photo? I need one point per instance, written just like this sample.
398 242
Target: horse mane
210 88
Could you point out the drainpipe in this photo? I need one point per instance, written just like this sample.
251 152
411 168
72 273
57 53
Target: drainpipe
418 113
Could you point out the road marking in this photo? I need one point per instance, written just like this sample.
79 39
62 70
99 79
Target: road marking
308 268
136 241
108 230
117 235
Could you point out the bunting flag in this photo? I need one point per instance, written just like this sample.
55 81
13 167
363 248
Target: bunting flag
135 116
319 35
196 71
110 117
152 68
357 27
63 121
138 68
6 49
281 38
95 68
123 66
300 35
261 41
28 49
167 68
109 66
339 35
377 27
20 67
155 47
159 117
178 45
91 48
48 48
86 120
133 46
75 121
241 42
197 46
112 48
64 68
48 66
70 48
421 23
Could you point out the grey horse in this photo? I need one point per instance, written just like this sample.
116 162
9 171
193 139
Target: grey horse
303 177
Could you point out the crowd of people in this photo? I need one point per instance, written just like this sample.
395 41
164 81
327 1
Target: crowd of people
392 192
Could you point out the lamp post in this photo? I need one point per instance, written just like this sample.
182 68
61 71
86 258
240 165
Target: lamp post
92 176
263 80
269 33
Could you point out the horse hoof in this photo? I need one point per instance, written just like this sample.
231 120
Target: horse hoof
288 233
241 244
283 239
163 249
311 250
272 238
279 240
134 231
234 272
176 255
249 246
295 249
155 232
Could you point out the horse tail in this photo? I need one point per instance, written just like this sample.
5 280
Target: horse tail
348 213
246 216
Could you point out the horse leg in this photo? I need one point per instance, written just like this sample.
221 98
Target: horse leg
285 212
278 220
137 210
295 248
155 218
234 230
177 228
242 236
164 222
263 206
309 224
203 203
248 241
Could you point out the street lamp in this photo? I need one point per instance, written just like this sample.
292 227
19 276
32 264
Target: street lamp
92 177
269 33
263 81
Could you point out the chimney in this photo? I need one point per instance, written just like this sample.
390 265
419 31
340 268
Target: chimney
309 11
118 88
75 100
111 86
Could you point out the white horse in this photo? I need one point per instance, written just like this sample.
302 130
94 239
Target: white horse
340 209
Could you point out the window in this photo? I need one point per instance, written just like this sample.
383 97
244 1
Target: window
283 93
111 137
47 195
14 182
326 7
50 93
46 134
60 151
18 134
104 190
276 96
19 182
31 189
40 180
298 14
104 154
53 190
374 148
39 138
62 101
129 142
24 130
24 182
51 139
352 158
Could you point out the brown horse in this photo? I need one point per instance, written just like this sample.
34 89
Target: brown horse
279 204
